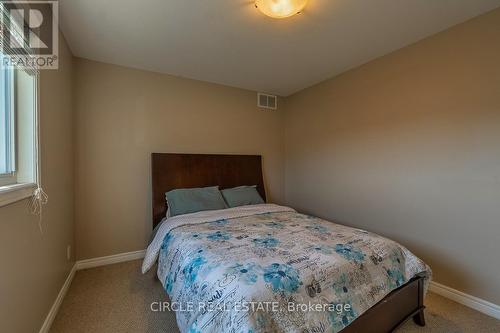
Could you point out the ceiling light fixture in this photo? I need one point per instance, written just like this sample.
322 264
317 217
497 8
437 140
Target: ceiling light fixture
280 8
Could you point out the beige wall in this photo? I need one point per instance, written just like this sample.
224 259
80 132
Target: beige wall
123 115
34 266
409 146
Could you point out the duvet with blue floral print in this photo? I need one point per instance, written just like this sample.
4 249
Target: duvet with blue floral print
275 270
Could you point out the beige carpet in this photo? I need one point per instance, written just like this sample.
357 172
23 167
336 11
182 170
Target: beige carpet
117 298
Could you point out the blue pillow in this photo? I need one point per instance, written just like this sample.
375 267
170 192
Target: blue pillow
242 196
192 200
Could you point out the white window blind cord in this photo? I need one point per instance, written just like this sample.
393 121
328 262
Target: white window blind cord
39 197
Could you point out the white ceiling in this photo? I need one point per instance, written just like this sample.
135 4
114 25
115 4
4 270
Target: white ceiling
230 42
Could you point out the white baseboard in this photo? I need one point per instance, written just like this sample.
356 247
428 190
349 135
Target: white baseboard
55 307
108 260
83 264
473 302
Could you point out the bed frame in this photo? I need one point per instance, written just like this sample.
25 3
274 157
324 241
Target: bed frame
171 171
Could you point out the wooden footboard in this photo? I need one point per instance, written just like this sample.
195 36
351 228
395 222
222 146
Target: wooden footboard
387 315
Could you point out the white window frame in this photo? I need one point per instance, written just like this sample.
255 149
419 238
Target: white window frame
10 189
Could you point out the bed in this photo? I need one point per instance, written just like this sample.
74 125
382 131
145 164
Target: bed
268 268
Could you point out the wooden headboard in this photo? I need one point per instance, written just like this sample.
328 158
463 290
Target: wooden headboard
174 171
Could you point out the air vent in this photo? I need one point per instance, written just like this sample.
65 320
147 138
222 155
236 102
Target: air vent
267 101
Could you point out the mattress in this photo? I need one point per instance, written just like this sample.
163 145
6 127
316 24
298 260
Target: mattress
267 268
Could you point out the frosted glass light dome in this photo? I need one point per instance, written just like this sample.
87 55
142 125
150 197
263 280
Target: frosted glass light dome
280 8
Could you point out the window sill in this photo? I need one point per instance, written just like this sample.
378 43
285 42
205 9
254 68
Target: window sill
12 193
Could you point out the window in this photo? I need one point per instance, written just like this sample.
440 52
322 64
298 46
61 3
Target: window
7 128
18 134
